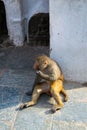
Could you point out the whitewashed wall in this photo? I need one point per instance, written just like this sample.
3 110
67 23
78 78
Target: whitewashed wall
68 37
31 7
18 14
14 21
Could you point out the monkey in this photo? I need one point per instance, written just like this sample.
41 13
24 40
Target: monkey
39 64
49 80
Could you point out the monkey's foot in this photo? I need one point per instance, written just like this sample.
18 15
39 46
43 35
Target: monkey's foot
28 104
25 105
66 99
56 107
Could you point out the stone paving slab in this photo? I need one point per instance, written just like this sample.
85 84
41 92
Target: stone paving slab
9 94
36 119
23 58
21 78
73 115
7 115
76 112
39 117
61 125
5 125
4 56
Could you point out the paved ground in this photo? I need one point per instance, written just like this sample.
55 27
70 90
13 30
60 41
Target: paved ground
16 77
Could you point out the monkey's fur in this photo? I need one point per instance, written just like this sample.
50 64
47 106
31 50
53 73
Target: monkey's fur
49 80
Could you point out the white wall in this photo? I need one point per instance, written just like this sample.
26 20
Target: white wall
31 7
68 33
18 14
14 21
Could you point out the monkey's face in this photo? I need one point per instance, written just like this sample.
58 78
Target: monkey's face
41 62
43 65
40 65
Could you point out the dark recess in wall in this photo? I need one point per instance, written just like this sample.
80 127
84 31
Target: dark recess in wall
3 23
39 30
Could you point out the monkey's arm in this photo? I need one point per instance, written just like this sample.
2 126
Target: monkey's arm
36 81
50 77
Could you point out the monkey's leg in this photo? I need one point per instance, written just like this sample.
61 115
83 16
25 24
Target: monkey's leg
36 93
63 91
59 104
38 90
55 91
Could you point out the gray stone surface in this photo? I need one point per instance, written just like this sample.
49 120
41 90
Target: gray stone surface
16 78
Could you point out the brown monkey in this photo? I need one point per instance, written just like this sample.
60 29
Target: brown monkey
49 79
50 67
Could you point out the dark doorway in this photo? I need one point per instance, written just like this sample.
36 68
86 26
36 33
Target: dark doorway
3 24
39 30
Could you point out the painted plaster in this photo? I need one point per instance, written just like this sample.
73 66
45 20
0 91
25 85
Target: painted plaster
18 14
68 27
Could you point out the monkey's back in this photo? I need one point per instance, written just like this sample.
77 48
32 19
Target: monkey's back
54 70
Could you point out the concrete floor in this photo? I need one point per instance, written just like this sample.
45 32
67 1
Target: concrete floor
16 78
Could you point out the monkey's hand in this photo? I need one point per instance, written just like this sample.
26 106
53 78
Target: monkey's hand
41 74
24 105
50 77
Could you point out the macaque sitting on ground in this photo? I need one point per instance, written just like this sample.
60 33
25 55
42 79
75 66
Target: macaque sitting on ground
49 80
